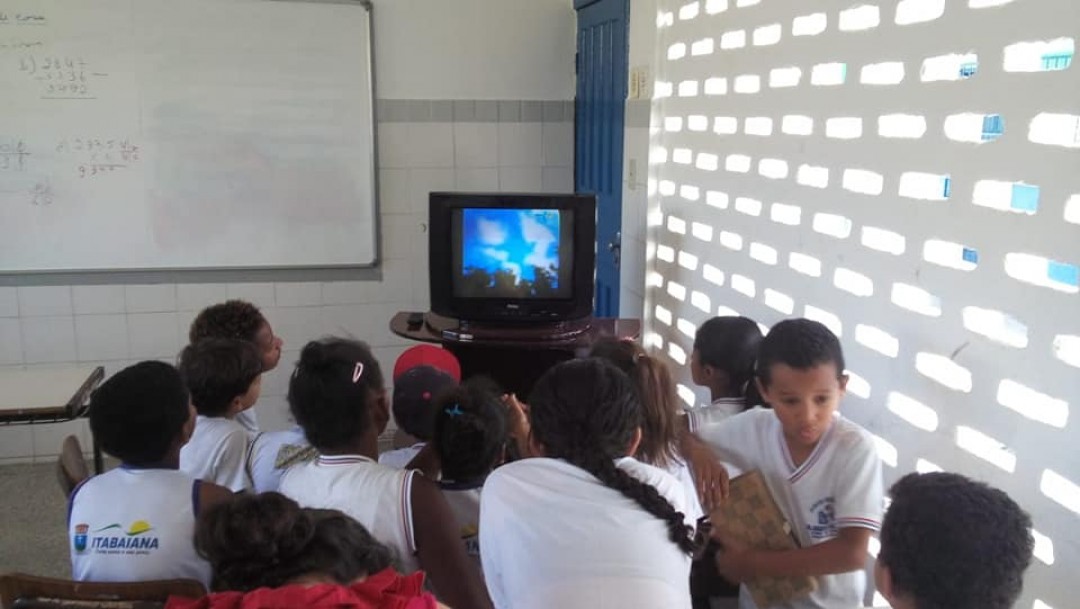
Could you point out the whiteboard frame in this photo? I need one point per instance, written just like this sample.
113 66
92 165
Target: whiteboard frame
237 274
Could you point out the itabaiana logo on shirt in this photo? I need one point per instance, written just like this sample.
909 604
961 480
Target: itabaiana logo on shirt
822 522
113 539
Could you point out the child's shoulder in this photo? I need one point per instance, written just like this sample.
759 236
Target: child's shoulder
849 436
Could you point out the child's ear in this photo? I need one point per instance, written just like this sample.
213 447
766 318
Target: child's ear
843 383
381 412
189 426
763 391
236 406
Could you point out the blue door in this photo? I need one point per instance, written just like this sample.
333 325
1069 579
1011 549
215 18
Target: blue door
600 108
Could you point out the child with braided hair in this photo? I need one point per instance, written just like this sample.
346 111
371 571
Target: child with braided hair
584 524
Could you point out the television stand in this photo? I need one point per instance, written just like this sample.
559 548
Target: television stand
463 330
514 355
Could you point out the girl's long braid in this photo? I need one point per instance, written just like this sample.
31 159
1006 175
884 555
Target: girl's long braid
586 412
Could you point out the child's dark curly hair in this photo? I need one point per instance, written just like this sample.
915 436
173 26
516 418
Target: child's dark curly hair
332 391
268 540
217 370
952 543
586 412
140 412
231 319
800 344
470 431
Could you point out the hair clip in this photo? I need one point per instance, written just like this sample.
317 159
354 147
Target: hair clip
455 411
357 371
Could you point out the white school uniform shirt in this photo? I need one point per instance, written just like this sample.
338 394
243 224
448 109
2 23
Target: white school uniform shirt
266 454
552 535
681 471
378 497
217 452
133 524
464 501
838 486
400 457
718 410
248 420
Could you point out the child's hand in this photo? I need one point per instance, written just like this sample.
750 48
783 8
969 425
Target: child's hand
710 475
517 420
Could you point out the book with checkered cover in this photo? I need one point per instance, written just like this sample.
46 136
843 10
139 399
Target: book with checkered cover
750 514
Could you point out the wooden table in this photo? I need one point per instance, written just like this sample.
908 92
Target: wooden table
48 395
513 355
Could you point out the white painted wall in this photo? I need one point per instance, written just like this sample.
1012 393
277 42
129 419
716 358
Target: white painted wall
475 49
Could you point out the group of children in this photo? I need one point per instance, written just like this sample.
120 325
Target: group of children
592 492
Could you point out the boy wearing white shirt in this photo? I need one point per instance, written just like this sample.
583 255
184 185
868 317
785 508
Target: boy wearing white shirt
224 377
822 469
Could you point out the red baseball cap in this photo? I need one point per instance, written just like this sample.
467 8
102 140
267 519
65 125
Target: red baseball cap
431 356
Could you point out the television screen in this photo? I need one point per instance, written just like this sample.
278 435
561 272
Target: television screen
512 253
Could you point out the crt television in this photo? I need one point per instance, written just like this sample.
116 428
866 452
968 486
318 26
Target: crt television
520 258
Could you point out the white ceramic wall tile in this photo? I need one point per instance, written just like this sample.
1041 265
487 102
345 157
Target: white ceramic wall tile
557 179
16 441
101 337
298 294
9 302
297 325
348 292
558 144
154 336
521 145
520 179
273 413
195 297
423 182
48 339
405 145
276 382
11 351
476 144
44 300
98 299
476 180
258 294
421 299
47 439
369 323
400 236
156 298
394 191
397 282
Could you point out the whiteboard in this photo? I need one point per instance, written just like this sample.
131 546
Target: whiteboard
185 134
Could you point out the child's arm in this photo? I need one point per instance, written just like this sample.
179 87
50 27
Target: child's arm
845 552
426 462
229 471
440 550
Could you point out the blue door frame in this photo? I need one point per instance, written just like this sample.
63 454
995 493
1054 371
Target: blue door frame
602 55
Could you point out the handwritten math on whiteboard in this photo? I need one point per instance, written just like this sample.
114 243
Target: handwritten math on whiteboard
176 135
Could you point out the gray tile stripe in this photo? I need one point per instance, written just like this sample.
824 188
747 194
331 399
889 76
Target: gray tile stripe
473 111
